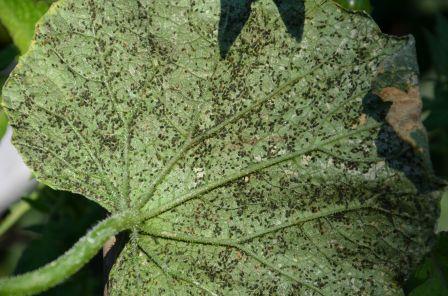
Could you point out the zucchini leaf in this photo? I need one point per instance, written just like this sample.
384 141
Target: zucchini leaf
294 164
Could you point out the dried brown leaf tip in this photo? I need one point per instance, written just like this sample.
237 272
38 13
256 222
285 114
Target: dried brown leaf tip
404 115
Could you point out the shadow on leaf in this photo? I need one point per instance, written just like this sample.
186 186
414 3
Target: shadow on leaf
398 154
235 14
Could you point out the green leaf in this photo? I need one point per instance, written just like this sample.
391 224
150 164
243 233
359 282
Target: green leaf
442 224
19 18
3 118
3 124
431 277
272 171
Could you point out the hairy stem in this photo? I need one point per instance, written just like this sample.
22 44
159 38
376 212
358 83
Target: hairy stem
66 265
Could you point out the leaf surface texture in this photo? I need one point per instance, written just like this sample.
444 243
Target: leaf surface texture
268 171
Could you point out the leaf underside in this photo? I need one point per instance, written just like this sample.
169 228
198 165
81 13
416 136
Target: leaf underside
271 170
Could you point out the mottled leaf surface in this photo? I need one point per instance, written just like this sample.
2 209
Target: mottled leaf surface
271 171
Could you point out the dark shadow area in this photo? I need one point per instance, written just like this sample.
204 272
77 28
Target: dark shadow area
422 20
60 219
415 165
398 154
111 250
292 13
235 14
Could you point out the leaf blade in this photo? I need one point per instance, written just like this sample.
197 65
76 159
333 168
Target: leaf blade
240 149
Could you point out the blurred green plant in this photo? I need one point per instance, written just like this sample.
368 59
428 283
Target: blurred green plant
437 121
19 18
7 55
4 36
356 4
66 216
443 220
3 118
430 279
3 124
431 6
16 212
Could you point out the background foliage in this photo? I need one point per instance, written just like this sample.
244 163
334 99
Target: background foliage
57 219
